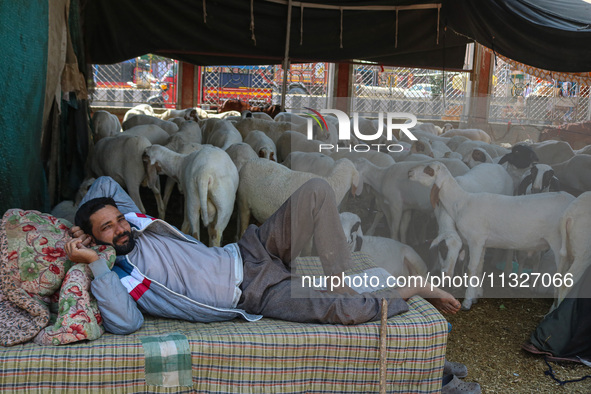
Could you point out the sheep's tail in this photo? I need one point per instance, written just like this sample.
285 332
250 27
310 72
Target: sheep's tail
203 189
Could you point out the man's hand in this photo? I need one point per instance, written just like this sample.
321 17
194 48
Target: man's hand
78 252
76 232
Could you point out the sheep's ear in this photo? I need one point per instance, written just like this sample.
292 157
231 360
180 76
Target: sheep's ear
434 196
478 155
522 188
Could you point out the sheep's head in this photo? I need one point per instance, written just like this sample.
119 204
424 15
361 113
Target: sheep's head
351 224
425 174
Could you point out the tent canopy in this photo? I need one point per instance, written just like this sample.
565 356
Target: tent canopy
547 34
216 32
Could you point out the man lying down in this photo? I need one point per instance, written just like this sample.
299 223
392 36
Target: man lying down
166 273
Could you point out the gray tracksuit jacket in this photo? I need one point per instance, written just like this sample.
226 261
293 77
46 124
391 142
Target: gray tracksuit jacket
168 274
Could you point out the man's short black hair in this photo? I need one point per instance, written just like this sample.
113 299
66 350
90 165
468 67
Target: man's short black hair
84 212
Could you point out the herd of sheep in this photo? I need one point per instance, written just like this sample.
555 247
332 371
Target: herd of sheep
459 191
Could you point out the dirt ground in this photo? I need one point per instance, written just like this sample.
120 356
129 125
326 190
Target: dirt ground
487 339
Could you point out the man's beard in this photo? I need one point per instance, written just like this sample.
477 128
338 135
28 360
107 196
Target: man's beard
123 249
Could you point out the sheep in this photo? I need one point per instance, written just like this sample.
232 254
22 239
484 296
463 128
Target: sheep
380 159
241 153
538 179
517 162
489 178
397 193
144 109
187 114
484 220
209 181
395 257
141 119
476 156
273 129
586 150
153 133
466 147
262 144
292 141
105 125
314 162
428 127
575 250
120 158
574 174
219 132
552 152
473 134
265 185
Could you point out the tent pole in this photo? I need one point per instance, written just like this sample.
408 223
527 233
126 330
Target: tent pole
286 57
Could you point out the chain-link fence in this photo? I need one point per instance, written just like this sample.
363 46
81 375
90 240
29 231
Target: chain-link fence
428 94
522 98
261 85
147 79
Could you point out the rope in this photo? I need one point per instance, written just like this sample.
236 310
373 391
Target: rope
204 12
550 373
383 345
252 22
396 33
341 35
301 24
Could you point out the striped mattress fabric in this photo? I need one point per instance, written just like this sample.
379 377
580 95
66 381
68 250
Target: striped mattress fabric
266 356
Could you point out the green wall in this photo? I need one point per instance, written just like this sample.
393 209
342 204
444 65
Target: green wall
23 63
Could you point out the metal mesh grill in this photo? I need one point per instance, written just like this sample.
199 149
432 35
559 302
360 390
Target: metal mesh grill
522 98
148 79
428 94
260 85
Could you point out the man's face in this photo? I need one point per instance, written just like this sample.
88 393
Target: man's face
109 227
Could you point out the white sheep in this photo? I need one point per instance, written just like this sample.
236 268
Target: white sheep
292 141
314 162
272 129
265 185
219 132
105 124
395 257
208 179
153 133
473 134
120 158
575 250
552 152
574 174
141 119
492 220
241 153
398 194
141 109
262 144
487 178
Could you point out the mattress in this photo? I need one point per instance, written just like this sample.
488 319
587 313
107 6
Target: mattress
267 356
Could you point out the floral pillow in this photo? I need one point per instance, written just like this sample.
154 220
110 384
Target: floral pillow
34 271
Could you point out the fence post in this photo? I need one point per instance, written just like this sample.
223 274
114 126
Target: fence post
481 87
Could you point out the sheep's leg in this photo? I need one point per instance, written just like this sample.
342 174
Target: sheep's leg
153 183
395 218
134 193
192 214
404 223
474 268
243 215
168 191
